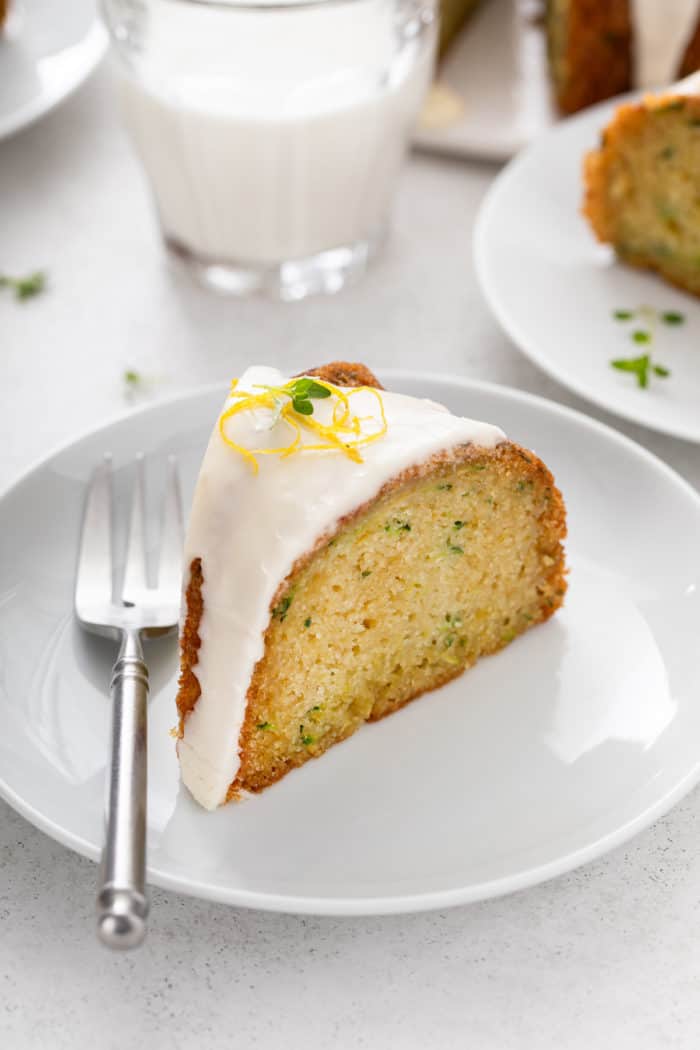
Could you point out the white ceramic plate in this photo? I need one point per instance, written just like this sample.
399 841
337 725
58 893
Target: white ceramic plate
496 74
554 289
47 49
564 745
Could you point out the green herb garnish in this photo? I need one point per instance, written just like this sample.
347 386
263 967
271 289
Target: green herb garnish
640 366
25 287
643 367
264 726
458 524
307 621
132 378
366 572
302 391
453 549
445 487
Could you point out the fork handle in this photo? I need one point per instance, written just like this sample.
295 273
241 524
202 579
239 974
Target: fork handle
122 905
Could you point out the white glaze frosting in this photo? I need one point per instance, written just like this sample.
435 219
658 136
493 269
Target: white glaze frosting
688 86
249 529
662 30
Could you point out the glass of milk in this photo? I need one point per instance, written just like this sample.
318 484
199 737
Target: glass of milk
272 132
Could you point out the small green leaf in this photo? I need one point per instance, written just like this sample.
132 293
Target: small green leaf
623 315
641 336
299 387
307 621
25 287
303 407
631 364
366 572
672 317
265 726
317 391
306 388
132 378
458 524
640 366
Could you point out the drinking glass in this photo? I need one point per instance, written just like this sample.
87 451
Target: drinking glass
272 133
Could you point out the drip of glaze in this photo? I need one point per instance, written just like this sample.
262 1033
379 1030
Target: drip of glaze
661 32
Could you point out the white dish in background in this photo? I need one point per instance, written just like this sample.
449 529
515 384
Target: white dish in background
565 744
496 77
47 49
554 288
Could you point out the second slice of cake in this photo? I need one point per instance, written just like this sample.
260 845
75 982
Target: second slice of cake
349 548
641 184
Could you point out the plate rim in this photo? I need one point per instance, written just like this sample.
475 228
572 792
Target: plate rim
41 105
494 300
407 903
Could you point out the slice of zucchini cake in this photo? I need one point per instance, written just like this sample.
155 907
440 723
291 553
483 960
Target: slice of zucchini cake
642 185
349 548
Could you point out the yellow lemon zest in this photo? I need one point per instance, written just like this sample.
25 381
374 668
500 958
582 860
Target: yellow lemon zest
344 433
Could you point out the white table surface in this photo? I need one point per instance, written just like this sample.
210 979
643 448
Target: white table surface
608 956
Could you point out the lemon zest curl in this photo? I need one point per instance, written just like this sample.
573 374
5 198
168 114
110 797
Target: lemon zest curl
343 434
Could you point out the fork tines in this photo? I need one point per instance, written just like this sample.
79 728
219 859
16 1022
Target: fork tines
140 605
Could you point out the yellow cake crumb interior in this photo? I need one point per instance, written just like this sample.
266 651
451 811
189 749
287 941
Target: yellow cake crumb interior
642 192
438 572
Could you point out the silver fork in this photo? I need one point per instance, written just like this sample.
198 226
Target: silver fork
142 611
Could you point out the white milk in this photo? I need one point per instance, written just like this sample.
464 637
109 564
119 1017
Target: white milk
270 136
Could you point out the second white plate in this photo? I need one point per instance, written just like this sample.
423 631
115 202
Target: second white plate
47 50
555 290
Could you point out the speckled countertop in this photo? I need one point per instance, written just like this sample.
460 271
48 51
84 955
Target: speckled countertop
608 956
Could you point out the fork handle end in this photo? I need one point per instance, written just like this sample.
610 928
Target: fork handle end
122 904
121 918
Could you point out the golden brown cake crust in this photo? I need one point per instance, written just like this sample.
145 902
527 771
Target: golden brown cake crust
590 50
613 177
691 58
507 457
189 690
345 373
